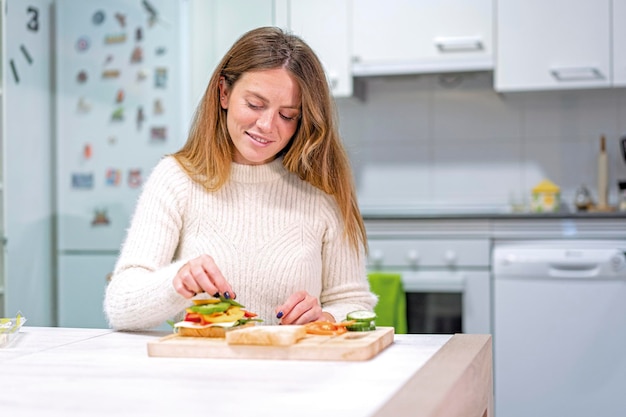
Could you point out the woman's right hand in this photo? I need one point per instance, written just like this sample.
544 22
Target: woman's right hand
201 274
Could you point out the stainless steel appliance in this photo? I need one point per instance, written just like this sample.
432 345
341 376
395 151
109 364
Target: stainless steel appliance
446 280
559 328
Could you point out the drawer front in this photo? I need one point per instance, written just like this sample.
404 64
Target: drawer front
415 253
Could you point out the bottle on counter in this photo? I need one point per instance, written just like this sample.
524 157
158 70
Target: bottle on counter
621 185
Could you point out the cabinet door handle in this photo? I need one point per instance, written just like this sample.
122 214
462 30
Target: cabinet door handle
458 43
577 74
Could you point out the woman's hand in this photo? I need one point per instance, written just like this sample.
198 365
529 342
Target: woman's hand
201 274
301 308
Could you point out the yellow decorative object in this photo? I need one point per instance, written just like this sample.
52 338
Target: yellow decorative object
546 197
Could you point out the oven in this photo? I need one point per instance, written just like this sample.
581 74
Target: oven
446 280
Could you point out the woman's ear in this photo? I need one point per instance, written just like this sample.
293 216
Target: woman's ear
223 93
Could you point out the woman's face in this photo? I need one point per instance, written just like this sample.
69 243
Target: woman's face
263 114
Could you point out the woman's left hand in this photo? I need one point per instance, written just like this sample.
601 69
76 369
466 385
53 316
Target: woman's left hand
301 308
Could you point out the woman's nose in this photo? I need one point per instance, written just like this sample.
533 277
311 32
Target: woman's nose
266 120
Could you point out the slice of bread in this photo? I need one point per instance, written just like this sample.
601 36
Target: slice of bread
212 331
267 335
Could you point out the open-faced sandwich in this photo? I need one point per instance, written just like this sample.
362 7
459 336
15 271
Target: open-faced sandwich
213 317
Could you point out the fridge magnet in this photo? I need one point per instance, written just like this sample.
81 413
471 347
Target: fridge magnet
100 218
108 59
119 96
87 151
142 75
81 77
98 17
118 114
160 77
118 38
33 23
121 19
111 140
82 180
113 177
153 13
112 73
82 44
158 134
157 107
134 178
138 34
27 56
137 55
160 50
140 117
83 105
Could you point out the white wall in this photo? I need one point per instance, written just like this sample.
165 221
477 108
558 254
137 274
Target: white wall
442 141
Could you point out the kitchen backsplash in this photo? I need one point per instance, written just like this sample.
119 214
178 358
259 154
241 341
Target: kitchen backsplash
438 142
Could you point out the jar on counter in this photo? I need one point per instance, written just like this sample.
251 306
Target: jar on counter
546 197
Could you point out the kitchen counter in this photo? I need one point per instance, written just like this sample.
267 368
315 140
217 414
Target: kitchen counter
77 372
400 224
452 213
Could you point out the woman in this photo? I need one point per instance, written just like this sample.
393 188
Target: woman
259 204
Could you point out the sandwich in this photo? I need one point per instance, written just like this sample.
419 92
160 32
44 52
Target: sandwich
213 317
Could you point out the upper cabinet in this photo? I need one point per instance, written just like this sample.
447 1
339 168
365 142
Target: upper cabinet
407 36
217 24
559 44
214 25
323 24
619 43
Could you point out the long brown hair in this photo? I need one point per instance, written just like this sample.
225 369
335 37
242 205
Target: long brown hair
315 152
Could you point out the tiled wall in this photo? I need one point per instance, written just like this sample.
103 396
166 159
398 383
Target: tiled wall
453 142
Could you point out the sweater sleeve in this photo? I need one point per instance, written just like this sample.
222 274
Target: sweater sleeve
345 285
140 294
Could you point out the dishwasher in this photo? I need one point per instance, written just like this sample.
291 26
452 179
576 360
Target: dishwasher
559 311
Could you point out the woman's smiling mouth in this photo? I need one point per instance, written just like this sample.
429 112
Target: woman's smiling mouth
258 139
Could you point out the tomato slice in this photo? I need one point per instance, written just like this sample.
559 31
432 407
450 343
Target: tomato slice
326 328
193 317
249 314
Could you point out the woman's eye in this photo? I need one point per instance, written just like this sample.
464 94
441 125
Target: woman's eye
254 106
289 118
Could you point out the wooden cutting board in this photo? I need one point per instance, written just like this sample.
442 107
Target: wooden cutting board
350 346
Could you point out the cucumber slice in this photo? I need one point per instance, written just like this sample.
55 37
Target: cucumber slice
361 326
361 316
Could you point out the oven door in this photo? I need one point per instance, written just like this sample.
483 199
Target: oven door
447 301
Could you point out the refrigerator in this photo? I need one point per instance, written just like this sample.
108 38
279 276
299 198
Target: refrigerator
121 90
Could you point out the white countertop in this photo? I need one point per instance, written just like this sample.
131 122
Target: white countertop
93 372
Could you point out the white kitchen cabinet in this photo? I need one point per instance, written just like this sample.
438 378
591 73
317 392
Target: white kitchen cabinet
323 24
407 36
619 43
217 24
214 26
556 44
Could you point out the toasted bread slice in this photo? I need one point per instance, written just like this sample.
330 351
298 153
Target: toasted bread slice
267 335
211 331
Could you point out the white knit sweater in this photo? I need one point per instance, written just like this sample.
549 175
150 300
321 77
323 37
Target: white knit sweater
270 233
